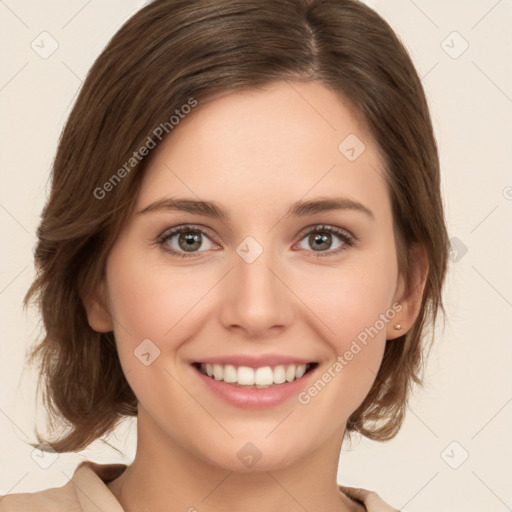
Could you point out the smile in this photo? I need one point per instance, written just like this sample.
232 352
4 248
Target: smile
261 377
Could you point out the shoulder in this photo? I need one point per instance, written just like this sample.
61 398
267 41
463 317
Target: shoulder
49 500
369 499
85 491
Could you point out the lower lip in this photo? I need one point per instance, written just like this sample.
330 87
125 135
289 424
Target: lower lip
255 398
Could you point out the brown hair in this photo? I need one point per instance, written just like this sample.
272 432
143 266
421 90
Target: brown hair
166 54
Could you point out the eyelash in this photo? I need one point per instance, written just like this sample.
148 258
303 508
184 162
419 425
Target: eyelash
347 239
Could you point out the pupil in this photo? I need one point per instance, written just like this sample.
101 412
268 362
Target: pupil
189 240
317 237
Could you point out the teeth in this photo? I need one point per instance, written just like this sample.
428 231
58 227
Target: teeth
259 377
290 373
230 373
245 376
301 370
264 376
217 372
279 374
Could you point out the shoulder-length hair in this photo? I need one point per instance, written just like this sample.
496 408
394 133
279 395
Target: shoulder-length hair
168 53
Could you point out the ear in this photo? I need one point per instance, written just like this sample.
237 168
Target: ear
98 315
409 297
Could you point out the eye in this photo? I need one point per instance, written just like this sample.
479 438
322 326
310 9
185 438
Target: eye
320 238
185 239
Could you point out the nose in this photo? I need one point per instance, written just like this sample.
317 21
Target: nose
255 297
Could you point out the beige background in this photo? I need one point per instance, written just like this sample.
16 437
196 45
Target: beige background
468 396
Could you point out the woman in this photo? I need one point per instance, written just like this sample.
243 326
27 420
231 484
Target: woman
214 148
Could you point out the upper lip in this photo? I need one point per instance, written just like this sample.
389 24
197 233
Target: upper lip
255 361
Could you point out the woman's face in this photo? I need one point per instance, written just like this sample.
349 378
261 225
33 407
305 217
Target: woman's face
258 288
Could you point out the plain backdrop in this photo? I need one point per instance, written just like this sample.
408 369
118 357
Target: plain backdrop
454 450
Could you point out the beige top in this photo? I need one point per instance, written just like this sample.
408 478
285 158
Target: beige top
87 492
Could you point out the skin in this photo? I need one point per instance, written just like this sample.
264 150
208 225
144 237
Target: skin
253 153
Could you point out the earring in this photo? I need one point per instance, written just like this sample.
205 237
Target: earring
398 326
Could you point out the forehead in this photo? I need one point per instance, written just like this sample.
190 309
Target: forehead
288 141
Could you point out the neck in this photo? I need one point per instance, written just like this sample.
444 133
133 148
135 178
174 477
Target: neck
164 474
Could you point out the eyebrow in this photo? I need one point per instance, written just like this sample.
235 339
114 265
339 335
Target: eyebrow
298 209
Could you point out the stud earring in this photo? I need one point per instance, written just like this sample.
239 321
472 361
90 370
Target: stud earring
398 326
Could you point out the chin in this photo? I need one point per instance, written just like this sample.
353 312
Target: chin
245 456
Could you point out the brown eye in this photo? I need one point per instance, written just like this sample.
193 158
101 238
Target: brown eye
322 239
189 241
185 239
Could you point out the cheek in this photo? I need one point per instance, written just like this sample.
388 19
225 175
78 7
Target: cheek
341 306
352 309
343 302
350 301
150 301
